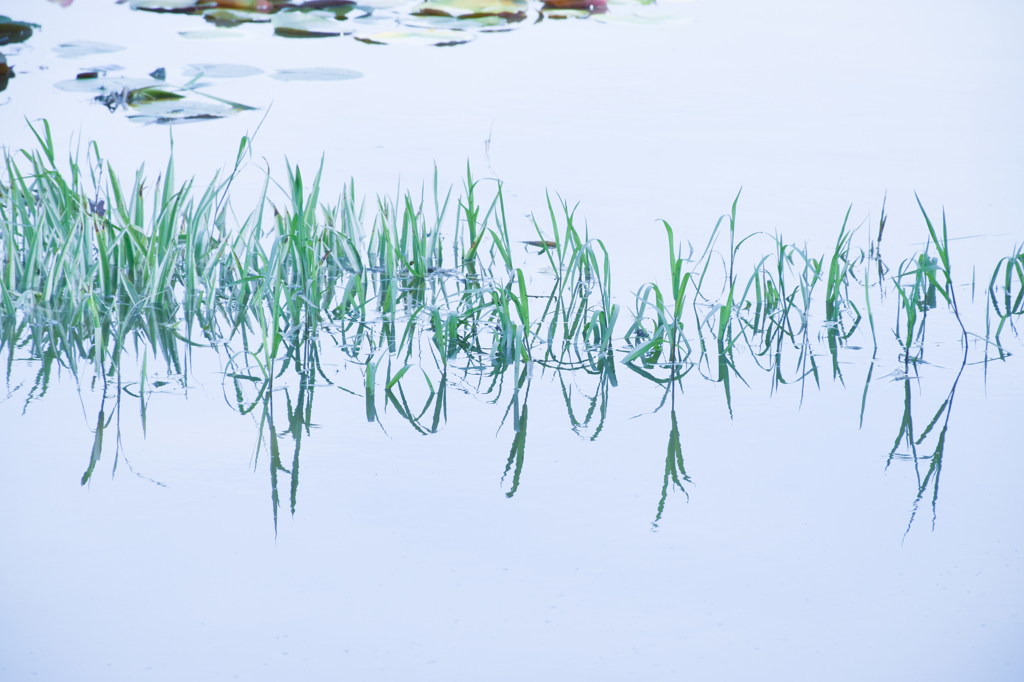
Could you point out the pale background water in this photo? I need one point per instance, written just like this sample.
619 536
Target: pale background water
405 560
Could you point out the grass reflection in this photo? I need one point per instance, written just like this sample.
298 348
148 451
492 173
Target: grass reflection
675 469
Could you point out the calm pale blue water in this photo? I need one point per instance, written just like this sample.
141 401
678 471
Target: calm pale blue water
795 552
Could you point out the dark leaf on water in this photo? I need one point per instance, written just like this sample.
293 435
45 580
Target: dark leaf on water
14 31
165 120
299 33
230 18
160 74
6 73
596 6
170 6
146 95
249 5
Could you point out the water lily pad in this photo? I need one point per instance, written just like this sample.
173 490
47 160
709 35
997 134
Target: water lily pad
211 34
230 18
484 23
184 111
587 5
316 24
467 8
321 73
418 36
339 8
104 68
101 84
152 94
565 13
14 31
222 70
81 48
164 5
6 73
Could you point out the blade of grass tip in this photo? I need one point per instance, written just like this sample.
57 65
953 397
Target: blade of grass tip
732 237
398 376
47 143
941 247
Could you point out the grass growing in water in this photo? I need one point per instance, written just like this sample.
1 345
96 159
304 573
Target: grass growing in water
96 270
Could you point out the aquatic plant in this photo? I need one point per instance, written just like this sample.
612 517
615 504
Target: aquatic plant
422 295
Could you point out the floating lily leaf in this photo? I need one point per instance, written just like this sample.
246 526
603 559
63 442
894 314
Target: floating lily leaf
484 23
103 69
147 95
339 8
251 5
316 74
315 24
469 8
418 36
222 70
164 5
565 13
14 31
115 84
6 73
588 5
212 34
81 48
566 9
229 18
179 112
197 6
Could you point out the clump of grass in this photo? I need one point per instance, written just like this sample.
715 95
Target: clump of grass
420 293
88 272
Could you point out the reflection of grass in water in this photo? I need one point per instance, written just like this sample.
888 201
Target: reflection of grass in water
906 436
1006 292
675 471
96 270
